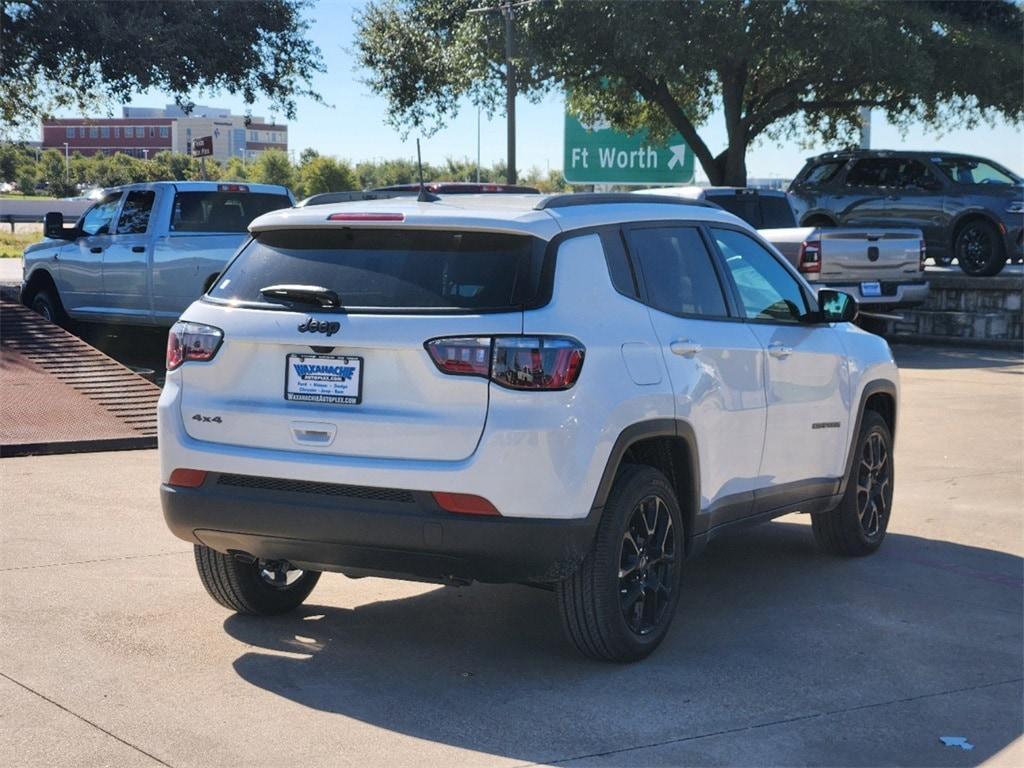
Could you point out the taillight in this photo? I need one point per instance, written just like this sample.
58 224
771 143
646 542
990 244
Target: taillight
192 341
923 254
232 188
810 256
516 362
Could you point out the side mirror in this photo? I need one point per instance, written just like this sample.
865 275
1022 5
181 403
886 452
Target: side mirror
53 226
836 306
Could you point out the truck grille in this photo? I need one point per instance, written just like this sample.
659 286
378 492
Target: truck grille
320 489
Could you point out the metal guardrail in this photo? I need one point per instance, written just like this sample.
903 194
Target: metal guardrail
33 211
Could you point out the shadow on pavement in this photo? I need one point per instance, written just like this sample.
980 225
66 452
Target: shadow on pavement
944 358
769 630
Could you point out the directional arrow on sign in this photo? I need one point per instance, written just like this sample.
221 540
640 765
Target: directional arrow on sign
678 156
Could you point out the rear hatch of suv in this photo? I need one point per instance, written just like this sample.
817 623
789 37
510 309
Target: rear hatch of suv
355 379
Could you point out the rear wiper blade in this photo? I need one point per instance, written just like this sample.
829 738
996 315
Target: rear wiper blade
303 294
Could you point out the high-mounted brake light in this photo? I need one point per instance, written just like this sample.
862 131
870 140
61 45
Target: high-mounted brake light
810 256
192 342
366 216
543 363
232 188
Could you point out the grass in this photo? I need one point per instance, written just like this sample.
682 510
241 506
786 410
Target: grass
13 243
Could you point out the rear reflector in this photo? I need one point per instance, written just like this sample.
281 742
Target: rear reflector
464 503
366 216
187 478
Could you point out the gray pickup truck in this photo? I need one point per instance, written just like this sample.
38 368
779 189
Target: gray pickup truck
143 252
882 268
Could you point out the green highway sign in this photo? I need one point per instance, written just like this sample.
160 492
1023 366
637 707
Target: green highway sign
600 155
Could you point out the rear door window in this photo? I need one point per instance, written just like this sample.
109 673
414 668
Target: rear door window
874 172
392 270
222 211
776 212
677 271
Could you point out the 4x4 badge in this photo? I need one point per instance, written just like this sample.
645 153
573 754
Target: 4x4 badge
312 325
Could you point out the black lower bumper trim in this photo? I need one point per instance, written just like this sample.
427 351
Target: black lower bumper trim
363 535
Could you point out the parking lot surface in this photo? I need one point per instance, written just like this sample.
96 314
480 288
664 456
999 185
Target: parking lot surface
112 654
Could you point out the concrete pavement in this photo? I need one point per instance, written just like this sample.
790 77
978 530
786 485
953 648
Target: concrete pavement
112 654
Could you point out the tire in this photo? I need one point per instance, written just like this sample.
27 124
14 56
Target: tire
857 526
979 249
239 585
592 607
46 303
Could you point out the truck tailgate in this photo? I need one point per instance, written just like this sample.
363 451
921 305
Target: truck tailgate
851 254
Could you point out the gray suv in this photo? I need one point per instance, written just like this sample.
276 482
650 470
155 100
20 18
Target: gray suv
969 208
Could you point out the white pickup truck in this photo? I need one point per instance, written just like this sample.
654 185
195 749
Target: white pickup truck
882 268
143 252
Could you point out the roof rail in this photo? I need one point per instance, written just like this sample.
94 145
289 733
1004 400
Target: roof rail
570 200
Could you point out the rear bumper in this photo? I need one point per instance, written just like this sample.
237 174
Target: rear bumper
895 295
392 533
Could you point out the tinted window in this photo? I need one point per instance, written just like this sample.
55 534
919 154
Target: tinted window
134 218
97 219
392 269
874 172
914 174
677 271
619 268
742 205
776 212
767 290
821 173
221 211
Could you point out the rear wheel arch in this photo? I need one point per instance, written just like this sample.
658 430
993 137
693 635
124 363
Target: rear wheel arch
818 220
668 445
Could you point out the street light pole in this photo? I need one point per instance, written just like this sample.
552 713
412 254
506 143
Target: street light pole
478 144
510 97
67 165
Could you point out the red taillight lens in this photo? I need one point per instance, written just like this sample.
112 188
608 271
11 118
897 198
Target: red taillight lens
468 356
536 362
187 478
924 254
516 362
810 256
366 216
464 503
192 341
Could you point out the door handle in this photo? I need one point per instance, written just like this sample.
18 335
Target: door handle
138 249
780 351
96 250
685 348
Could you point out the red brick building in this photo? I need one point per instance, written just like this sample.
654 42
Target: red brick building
137 136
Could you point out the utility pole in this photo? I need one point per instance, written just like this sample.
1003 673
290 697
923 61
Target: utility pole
67 165
478 145
510 96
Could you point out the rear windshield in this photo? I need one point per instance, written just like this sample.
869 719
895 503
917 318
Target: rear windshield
222 211
759 211
398 270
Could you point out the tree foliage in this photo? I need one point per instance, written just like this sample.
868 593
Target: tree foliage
773 69
74 54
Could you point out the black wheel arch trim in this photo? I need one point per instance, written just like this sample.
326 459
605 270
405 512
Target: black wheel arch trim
875 387
644 430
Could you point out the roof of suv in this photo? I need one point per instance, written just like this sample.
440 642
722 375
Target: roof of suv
541 215
848 153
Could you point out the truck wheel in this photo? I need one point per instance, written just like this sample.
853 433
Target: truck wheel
857 526
620 602
979 249
46 303
263 587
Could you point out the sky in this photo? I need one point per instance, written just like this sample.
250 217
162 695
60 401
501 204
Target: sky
355 128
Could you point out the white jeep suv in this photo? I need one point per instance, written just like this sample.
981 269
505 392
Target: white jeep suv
577 391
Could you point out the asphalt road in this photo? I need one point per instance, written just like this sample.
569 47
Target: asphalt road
112 654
